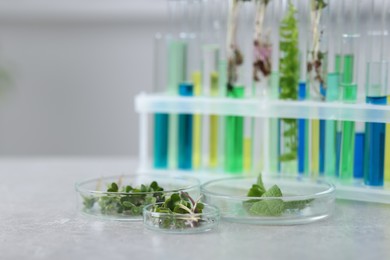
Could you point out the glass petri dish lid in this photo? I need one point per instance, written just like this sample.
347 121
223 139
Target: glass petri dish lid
302 200
101 199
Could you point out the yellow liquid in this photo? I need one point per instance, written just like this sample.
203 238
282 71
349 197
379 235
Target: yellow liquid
387 150
315 147
197 124
247 154
214 122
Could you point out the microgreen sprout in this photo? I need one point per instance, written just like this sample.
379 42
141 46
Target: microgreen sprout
125 200
181 211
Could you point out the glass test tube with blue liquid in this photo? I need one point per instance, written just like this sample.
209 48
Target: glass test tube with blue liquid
186 89
376 87
377 71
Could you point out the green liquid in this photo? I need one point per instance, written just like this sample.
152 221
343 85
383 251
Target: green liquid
348 137
338 63
348 66
234 137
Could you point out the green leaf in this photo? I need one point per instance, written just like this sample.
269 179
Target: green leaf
199 207
113 187
89 202
128 188
274 191
128 204
260 182
256 191
150 200
274 207
297 204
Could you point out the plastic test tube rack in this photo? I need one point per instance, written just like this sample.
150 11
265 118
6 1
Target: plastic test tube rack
148 104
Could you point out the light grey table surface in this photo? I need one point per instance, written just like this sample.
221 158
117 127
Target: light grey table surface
39 220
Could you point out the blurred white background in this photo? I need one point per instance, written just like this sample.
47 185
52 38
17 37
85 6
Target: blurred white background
76 67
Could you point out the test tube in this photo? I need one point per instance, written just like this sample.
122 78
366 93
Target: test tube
317 75
332 86
185 123
265 26
303 124
288 83
161 126
386 57
239 52
211 88
177 61
349 86
376 85
212 26
189 83
271 126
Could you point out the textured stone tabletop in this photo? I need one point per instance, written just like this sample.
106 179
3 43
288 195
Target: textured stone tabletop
39 220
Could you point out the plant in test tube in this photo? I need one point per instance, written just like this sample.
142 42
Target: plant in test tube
235 56
315 63
262 46
289 79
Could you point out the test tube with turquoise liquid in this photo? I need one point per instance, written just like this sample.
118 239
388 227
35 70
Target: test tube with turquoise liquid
185 131
161 126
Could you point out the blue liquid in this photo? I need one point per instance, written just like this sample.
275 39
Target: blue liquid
161 141
338 151
322 146
374 148
185 132
301 131
359 156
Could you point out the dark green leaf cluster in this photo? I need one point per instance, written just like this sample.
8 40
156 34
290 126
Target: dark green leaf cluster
126 200
289 78
180 211
270 207
318 4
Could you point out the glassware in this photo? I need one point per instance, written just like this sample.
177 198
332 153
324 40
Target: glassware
181 223
94 199
303 200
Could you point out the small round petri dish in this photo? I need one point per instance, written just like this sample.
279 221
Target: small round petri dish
303 200
127 204
181 223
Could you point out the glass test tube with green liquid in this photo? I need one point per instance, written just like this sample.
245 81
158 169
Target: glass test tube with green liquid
234 136
349 94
